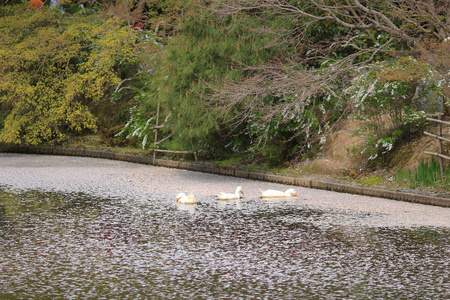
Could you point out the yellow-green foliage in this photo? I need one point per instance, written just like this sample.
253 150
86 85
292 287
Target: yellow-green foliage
54 67
371 180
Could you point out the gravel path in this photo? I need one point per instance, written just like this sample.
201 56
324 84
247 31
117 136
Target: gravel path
109 178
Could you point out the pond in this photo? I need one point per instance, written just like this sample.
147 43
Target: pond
72 244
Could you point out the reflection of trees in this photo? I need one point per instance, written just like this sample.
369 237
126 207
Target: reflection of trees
5 200
42 203
7 207
2 215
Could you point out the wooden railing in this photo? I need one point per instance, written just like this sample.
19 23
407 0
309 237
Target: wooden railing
155 128
440 139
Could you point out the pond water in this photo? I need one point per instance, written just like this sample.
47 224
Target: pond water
75 245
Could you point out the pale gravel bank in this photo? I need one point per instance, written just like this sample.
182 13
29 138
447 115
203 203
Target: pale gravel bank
110 178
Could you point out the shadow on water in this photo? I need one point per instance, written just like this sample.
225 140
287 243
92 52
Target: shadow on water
56 245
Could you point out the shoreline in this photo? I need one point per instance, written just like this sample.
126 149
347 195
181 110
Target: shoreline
309 182
138 185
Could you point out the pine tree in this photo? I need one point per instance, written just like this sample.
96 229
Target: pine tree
206 51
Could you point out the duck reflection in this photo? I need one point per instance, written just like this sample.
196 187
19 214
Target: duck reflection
235 204
187 207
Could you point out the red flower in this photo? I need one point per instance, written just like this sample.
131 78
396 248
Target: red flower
36 4
138 25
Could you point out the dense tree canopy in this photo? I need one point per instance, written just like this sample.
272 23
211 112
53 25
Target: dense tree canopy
56 68
273 77
266 77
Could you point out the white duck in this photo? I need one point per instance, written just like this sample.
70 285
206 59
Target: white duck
182 198
229 196
276 194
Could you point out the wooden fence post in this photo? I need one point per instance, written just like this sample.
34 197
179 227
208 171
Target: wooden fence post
156 133
156 128
441 151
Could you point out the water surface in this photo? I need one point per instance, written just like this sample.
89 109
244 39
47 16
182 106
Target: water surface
76 245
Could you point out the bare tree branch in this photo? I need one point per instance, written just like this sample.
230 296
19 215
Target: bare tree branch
285 85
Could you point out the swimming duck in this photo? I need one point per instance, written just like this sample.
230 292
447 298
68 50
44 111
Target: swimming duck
182 198
275 193
229 196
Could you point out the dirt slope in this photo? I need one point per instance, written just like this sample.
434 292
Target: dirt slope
341 154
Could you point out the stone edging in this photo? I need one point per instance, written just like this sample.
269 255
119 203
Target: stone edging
199 167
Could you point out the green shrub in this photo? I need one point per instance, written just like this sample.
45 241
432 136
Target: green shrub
426 174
